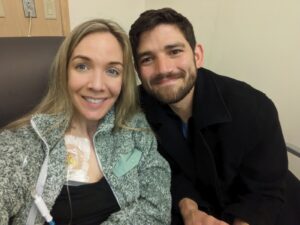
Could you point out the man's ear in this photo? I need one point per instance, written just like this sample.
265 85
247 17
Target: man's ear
199 55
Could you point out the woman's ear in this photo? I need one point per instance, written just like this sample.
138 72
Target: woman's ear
199 55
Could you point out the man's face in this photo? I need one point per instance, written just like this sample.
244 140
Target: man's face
167 65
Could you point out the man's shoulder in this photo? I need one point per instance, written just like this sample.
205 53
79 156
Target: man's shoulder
240 97
225 81
230 87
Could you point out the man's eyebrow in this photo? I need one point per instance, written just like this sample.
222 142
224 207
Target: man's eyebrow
167 47
175 45
142 54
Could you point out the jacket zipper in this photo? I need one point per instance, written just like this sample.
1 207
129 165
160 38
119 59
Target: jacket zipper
38 133
39 187
100 165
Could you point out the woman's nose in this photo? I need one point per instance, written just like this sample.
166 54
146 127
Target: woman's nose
96 81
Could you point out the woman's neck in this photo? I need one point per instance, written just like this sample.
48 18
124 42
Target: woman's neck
82 128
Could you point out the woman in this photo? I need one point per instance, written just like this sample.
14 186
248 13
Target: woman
85 151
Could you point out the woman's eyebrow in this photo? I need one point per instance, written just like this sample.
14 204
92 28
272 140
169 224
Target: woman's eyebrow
80 57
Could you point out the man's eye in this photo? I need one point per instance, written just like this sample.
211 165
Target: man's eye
81 67
113 72
145 60
175 51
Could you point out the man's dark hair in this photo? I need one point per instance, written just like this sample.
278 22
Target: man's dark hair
154 17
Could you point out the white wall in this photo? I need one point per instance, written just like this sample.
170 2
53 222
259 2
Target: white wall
254 41
122 11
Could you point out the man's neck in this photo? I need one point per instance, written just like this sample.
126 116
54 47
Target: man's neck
184 107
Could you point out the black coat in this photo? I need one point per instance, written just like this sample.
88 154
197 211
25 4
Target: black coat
234 161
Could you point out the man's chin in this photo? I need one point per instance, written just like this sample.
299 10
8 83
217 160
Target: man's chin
167 95
167 98
170 96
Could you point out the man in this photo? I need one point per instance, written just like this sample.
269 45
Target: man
221 137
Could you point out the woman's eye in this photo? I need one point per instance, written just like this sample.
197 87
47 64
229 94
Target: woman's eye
81 67
113 72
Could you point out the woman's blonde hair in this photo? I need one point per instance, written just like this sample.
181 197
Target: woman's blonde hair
58 101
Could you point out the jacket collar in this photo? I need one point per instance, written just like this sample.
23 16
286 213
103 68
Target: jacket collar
208 103
51 128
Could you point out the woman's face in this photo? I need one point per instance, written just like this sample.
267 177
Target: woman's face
95 76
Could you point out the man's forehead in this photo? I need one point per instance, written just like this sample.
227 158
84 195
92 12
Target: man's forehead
161 30
161 37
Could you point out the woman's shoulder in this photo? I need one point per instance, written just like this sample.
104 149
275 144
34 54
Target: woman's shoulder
142 133
15 137
16 145
15 132
138 120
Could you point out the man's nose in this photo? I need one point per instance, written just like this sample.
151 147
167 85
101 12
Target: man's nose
164 65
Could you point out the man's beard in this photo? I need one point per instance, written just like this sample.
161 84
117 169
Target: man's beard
170 95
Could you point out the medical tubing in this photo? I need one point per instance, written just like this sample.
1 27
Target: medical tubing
40 204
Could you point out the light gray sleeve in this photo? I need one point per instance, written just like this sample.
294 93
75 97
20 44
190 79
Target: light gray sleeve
11 190
153 206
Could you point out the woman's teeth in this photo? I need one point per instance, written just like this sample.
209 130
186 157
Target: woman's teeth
94 100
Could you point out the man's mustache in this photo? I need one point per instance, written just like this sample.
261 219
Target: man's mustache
159 77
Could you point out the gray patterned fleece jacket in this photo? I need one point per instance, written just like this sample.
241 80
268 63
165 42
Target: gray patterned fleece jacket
138 175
